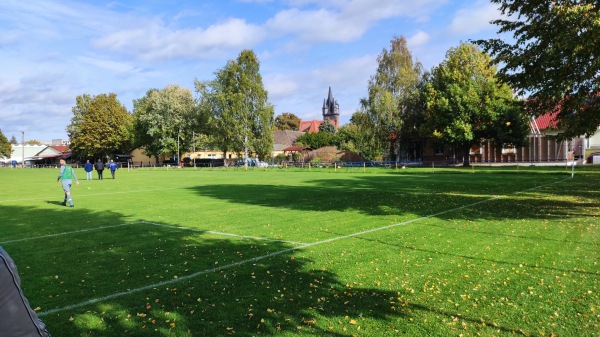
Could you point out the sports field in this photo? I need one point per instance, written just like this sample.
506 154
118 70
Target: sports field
321 252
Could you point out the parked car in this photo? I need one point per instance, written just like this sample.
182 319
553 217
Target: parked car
590 158
253 162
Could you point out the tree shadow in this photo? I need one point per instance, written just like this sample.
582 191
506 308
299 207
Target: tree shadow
117 278
399 195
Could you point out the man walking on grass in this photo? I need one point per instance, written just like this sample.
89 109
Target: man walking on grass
67 174
113 167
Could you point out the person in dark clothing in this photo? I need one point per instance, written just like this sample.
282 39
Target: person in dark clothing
16 316
113 167
99 168
88 170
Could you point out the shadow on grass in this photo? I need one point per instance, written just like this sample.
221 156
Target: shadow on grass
92 274
398 195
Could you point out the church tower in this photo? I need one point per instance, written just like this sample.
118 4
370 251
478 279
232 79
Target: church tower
331 110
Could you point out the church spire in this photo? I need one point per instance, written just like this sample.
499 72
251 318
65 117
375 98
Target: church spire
331 109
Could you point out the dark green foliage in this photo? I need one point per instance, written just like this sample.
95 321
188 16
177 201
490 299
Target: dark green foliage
327 127
316 140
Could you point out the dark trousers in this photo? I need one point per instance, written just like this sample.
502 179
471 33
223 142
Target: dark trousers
112 172
100 174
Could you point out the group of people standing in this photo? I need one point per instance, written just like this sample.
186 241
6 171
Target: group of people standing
99 166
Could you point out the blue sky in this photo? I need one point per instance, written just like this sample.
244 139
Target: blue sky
51 51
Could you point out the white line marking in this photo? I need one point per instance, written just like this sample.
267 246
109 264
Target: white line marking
154 224
223 233
65 233
262 257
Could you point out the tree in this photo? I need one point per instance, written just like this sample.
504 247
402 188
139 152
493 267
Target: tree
364 137
165 121
465 100
13 140
315 140
5 146
347 138
100 126
553 58
392 93
240 116
327 127
287 121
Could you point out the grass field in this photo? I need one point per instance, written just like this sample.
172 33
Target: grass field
455 252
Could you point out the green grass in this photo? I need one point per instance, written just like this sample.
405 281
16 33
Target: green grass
474 252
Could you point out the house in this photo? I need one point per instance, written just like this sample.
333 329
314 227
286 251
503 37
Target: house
543 146
283 139
51 155
25 153
310 126
593 142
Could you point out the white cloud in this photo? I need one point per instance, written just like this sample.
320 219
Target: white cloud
109 65
315 26
476 18
419 39
349 72
344 21
156 41
280 85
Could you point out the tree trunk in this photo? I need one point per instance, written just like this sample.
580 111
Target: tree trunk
466 155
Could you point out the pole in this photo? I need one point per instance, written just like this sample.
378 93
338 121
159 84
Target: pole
194 138
23 149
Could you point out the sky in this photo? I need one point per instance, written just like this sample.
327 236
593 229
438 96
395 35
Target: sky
52 51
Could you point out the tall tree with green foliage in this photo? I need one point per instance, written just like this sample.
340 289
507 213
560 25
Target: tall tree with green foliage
165 121
553 57
315 140
100 126
240 116
364 136
465 102
393 91
13 140
327 127
287 121
347 138
5 146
